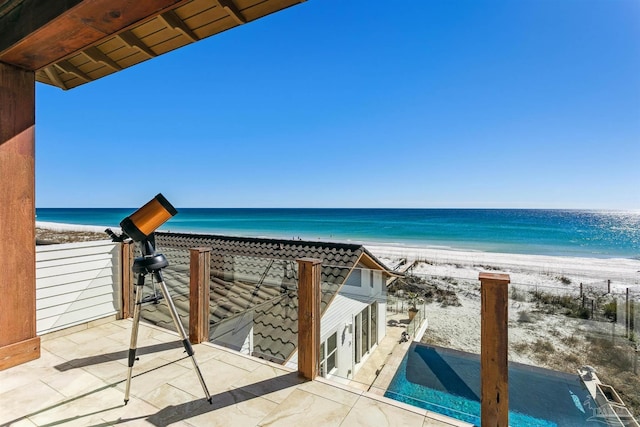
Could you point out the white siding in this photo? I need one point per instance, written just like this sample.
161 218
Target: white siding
76 283
337 319
339 313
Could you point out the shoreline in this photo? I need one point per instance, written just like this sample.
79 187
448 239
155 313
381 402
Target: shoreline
453 262
462 264
387 246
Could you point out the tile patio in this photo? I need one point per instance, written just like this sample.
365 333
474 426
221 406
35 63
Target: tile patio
80 379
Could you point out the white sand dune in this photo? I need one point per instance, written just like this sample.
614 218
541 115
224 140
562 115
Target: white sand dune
58 226
523 269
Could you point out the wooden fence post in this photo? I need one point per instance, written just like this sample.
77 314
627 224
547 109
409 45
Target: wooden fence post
126 278
199 278
309 317
494 365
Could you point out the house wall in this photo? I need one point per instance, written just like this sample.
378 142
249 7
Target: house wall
76 283
337 318
361 290
365 283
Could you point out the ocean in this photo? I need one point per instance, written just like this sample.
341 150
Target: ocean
602 234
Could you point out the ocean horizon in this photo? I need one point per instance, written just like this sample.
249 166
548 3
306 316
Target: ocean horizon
557 232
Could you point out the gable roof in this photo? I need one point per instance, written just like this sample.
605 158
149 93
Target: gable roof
255 275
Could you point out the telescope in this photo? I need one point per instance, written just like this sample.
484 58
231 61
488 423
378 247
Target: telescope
139 227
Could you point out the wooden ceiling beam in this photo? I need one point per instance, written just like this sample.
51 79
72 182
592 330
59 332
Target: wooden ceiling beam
133 41
232 10
172 20
68 67
53 75
28 17
96 55
39 33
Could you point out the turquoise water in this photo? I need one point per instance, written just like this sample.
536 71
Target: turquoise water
448 382
526 231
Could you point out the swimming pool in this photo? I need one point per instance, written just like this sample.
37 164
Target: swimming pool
448 382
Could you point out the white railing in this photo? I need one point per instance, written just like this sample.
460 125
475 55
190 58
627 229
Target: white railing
76 283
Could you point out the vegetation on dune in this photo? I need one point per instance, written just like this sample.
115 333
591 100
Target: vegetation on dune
432 290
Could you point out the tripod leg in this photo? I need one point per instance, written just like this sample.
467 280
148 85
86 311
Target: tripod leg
134 333
181 331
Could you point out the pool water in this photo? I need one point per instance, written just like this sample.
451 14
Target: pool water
448 382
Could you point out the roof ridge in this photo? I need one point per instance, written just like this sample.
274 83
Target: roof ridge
335 245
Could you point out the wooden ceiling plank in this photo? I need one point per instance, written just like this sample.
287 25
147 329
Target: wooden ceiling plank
124 52
170 44
216 27
68 67
133 41
194 7
148 28
232 10
262 9
53 75
135 58
172 20
207 17
96 55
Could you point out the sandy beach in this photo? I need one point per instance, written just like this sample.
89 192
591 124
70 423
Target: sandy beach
523 269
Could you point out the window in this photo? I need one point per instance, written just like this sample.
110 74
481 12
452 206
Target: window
328 348
356 337
354 278
365 331
373 309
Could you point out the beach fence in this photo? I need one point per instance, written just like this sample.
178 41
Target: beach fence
404 304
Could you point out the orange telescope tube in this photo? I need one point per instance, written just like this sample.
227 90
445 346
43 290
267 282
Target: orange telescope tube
143 222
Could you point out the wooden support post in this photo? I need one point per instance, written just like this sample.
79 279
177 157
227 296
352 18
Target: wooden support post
309 317
18 340
126 278
581 293
494 366
608 286
199 273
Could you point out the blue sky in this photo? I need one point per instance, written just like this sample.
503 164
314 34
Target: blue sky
353 103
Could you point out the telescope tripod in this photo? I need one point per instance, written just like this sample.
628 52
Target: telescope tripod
152 263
